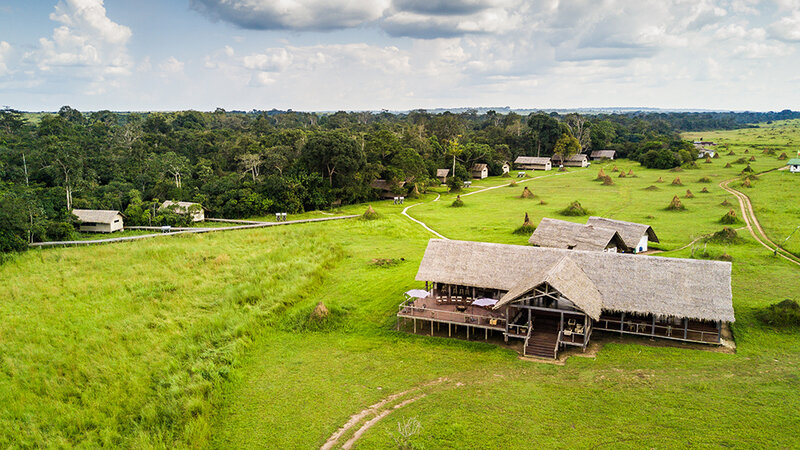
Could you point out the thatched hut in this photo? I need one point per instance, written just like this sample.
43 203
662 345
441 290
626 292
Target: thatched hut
555 233
99 220
533 163
479 171
195 210
602 154
568 295
635 235
441 175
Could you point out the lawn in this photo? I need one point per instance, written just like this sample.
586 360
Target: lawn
209 341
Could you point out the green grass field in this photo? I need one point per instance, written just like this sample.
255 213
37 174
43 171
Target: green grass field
207 341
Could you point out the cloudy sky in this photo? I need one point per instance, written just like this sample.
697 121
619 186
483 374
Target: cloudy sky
399 54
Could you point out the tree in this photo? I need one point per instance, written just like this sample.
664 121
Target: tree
579 128
566 146
333 153
250 162
454 149
175 165
545 130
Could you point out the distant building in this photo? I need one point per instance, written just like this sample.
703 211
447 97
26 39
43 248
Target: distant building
442 174
506 167
603 154
387 189
555 233
99 220
635 235
704 153
579 160
794 165
479 171
533 163
194 209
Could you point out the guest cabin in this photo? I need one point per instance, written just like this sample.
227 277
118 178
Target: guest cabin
442 174
479 171
99 220
555 233
551 299
387 190
195 210
704 153
635 235
506 167
794 165
579 160
532 163
602 154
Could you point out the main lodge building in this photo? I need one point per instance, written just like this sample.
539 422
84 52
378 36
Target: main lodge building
554 298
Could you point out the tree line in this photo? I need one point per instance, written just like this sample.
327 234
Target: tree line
244 164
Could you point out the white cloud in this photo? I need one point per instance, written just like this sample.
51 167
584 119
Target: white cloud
787 28
172 66
86 38
5 51
761 50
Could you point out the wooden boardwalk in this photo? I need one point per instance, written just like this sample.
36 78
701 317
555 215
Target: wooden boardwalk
188 231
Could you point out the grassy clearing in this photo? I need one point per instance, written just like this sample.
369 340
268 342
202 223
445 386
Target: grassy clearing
205 341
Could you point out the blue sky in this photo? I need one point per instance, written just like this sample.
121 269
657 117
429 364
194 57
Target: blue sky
399 54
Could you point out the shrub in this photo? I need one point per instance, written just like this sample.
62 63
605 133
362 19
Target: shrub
675 205
741 161
726 235
677 181
746 183
506 175
455 184
704 190
676 169
562 169
457 203
729 218
704 180
574 209
370 214
652 188
527 227
689 194
783 314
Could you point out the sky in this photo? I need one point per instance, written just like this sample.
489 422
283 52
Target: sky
316 55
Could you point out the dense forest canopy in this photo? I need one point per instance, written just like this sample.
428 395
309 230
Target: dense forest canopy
248 164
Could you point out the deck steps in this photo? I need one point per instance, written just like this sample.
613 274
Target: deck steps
544 339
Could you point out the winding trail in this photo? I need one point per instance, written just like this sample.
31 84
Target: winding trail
752 222
438 196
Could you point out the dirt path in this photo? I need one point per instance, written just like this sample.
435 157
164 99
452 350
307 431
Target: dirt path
754 226
375 413
438 196
188 231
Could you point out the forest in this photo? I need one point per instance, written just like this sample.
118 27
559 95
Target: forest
244 164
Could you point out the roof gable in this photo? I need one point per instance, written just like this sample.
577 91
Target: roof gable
562 234
630 232
97 215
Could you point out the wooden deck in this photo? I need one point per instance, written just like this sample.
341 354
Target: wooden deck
429 309
695 331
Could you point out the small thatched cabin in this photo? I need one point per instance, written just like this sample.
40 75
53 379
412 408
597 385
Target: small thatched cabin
533 163
602 154
569 235
195 210
579 160
479 171
704 153
506 167
99 220
442 174
552 298
386 190
635 235
794 165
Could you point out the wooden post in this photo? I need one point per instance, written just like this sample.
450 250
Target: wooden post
654 326
561 322
449 293
473 294
685 328
505 336
431 327
467 332
719 331
415 326
448 330
621 323
485 334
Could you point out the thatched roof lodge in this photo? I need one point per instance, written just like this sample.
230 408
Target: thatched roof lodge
579 160
99 220
603 154
480 171
442 174
533 163
553 298
556 233
196 210
635 235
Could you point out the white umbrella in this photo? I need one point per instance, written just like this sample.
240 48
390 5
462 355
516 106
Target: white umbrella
484 302
417 293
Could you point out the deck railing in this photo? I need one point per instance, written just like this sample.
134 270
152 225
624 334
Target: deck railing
667 331
406 309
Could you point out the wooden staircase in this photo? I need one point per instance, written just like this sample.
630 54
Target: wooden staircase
543 341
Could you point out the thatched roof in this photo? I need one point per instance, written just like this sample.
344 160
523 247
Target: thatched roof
631 232
479 167
603 153
793 162
567 278
442 172
569 235
181 207
695 289
97 215
574 158
531 160
385 185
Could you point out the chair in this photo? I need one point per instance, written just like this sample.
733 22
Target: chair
571 322
578 329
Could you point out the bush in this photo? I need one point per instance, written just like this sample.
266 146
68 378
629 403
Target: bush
704 180
527 227
741 161
457 203
370 214
726 235
729 218
574 209
60 231
652 188
783 314
455 184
